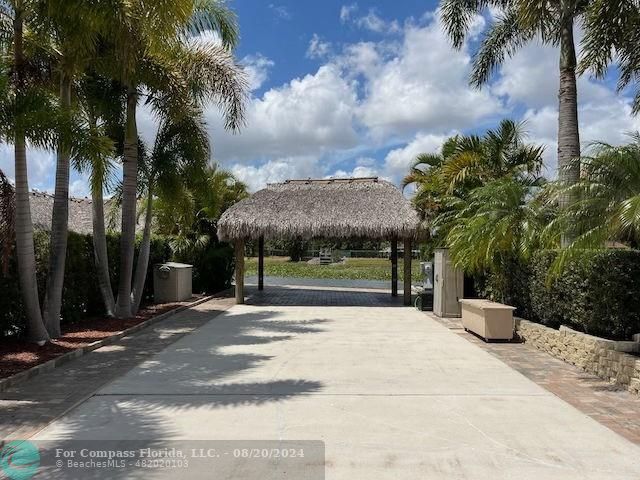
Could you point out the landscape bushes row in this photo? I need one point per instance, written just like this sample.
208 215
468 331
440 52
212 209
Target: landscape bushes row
596 293
213 269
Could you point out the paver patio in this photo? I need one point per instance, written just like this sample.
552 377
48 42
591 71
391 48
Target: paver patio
391 392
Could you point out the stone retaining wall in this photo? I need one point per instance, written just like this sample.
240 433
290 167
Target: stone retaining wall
595 355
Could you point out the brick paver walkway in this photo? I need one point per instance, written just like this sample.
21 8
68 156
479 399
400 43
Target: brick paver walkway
28 407
307 296
608 404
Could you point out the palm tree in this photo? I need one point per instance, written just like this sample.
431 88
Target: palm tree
28 107
190 212
100 102
74 27
179 154
498 153
424 174
148 54
498 222
612 35
608 205
518 23
467 162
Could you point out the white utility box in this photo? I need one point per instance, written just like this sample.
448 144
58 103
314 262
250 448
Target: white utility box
489 320
172 282
448 285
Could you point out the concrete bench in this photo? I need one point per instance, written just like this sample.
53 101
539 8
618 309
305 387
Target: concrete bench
489 320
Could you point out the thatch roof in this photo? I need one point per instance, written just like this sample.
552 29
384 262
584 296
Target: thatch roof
335 208
80 214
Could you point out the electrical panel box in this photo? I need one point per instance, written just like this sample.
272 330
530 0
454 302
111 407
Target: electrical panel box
172 282
448 285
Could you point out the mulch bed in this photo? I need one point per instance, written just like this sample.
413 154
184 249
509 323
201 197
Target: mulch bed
18 355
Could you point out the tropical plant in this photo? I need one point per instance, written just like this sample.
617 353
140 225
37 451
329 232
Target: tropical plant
517 23
498 222
179 155
468 162
189 213
607 208
100 102
612 34
29 114
425 175
72 27
498 153
153 49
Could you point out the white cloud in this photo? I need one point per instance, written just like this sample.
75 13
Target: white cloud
361 58
397 161
364 167
41 166
425 86
358 171
407 91
318 48
346 11
307 116
257 69
371 21
79 187
281 11
277 170
608 121
531 77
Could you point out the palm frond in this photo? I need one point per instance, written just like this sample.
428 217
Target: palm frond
505 36
457 16
214 15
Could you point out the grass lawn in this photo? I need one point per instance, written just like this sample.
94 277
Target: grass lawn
352 269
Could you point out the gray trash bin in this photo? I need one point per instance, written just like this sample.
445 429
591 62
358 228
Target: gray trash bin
172 282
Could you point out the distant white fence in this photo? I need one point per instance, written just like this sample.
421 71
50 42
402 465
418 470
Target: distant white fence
315 253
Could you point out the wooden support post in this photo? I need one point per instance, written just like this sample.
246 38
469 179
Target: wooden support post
239 271
261 263
407 272
394 267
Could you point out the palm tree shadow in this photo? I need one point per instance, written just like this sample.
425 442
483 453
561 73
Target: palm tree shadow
192 374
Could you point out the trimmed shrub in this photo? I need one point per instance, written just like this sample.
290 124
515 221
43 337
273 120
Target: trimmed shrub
159 252
213 269
11 316
597 293
510 286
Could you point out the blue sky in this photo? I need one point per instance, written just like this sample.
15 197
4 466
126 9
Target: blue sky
360 88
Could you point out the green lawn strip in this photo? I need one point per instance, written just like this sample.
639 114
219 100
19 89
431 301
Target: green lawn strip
352 269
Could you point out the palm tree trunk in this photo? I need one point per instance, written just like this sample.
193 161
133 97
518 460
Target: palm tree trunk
59 221
129 186
568 133
100 252
24 226
143 257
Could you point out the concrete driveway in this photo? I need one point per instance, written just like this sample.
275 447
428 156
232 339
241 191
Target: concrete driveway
390 392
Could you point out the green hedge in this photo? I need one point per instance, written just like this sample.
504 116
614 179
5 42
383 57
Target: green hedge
213 269
597 293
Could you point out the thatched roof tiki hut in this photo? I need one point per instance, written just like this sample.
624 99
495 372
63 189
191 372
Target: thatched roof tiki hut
337 208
